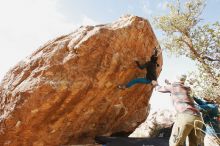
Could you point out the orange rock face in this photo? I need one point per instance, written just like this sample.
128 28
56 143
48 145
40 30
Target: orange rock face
66 92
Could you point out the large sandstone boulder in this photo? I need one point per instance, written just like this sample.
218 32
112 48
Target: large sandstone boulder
65 92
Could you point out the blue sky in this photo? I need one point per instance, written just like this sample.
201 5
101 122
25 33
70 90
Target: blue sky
27 24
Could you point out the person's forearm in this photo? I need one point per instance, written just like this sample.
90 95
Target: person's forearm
163 89
199 101
139 65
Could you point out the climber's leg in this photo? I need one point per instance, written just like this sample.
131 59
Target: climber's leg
136 81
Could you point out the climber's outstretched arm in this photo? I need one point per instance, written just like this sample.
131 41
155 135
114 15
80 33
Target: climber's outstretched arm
141 66
164 89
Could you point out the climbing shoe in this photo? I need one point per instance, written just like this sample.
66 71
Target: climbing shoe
123 87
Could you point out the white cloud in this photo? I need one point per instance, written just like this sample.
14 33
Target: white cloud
147 7
111 11
162 5
162 98
25 25
88 21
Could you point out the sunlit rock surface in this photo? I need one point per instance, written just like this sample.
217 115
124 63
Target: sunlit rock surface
65 92
156 120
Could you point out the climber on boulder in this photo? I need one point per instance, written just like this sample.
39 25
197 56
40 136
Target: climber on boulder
188 120
151 75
